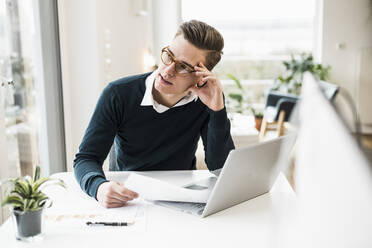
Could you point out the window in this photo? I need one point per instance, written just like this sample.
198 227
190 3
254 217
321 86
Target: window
258 36
16 65
30 114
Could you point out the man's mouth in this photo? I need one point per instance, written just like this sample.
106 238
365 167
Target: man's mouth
164 81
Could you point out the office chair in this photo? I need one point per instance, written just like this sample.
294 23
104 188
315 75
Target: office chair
279 107
329 90
277 102
277 110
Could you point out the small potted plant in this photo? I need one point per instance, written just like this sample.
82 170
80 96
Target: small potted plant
242 104
258 116
27 203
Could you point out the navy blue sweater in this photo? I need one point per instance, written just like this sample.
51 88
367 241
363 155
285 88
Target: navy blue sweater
145 139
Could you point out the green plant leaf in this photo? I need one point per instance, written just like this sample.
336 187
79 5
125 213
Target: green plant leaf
39 182
14 200
43 180
42 198
29 188
37 194
37 173
237 82
14 192
25 204
22 187
30 204
42 204
237 97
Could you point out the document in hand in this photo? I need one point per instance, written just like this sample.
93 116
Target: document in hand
154 189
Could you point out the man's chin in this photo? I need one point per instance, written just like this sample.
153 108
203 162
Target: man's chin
163 89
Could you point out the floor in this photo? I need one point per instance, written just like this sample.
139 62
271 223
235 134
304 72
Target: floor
367 146
367 141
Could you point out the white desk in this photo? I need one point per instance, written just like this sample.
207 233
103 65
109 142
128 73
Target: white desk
253 223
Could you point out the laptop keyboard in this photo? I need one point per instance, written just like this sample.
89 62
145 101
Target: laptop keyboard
187 207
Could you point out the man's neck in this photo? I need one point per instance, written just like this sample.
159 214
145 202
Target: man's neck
168 100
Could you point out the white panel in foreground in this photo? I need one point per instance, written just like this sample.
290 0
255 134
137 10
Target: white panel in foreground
333 178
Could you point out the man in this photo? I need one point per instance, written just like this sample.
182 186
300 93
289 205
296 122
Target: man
156 119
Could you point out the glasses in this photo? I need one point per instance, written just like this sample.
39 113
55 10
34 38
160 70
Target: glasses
181 67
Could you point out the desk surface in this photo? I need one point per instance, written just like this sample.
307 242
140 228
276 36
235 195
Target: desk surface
253 223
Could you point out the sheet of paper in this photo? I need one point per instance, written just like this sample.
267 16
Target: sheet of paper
153 189
75 217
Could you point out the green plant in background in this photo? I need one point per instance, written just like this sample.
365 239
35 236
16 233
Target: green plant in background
240 102
237 98
26 194
291 82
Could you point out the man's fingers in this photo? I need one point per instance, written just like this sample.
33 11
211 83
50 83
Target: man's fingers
120 198
112 200
121 190
202 73
113 194
202 66
130 193
201 84
205 79
116 204
109 201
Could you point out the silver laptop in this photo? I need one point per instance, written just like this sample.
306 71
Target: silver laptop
247 173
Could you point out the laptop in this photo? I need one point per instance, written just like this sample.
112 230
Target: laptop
248 172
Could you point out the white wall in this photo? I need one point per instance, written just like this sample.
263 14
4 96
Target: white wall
100 42
122 37
346 32
167 16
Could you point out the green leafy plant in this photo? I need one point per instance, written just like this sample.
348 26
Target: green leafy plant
291 81
241 102
26 194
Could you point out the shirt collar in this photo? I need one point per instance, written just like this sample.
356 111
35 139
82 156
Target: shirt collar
148 99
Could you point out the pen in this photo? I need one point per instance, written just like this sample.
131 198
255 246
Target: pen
89 223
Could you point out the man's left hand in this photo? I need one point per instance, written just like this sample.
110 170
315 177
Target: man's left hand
210 88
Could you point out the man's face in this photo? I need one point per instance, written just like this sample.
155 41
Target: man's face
168 81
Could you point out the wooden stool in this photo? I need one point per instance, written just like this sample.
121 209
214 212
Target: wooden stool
266 126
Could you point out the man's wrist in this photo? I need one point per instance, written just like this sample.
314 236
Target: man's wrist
96 182
218 108
219 104
218 119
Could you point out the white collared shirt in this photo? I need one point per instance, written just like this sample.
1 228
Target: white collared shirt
148 99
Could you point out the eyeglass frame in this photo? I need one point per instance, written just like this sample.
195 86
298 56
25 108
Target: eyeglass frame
174 60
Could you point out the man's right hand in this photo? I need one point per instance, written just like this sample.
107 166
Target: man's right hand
113 195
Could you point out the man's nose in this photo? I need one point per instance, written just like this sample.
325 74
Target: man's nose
170 69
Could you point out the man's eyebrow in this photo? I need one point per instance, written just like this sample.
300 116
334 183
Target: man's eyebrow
181 60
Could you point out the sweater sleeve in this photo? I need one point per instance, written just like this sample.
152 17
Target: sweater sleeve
217 139
97 141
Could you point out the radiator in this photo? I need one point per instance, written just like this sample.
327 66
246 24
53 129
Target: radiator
365 86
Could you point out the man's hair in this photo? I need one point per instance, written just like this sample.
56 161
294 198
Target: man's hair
204 37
